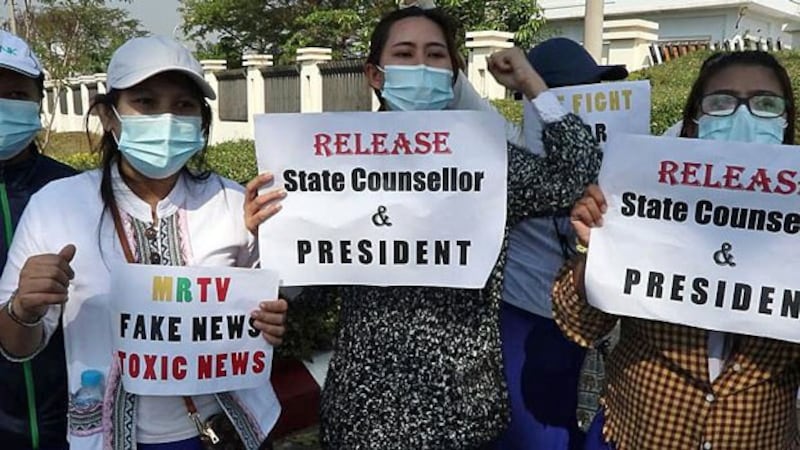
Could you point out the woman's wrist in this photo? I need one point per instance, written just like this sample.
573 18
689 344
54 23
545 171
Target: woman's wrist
533 87
22 318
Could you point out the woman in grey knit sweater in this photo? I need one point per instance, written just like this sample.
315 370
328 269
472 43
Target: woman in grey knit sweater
420 367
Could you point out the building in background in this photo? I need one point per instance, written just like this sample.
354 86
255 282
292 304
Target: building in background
699 23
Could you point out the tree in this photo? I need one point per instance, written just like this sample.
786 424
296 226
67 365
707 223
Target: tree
523 18
280 27
240 25
73 37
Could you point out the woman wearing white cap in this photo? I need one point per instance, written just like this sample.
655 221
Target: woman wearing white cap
145 206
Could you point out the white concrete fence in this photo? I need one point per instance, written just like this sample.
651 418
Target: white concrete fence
324 85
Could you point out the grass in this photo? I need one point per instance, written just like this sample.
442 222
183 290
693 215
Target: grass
69 143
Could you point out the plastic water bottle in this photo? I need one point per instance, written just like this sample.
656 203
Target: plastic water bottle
91 392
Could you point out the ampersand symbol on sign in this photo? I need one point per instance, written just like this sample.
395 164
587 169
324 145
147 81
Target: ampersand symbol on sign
380 219
723 256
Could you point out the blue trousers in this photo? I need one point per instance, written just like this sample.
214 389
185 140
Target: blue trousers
188 444
594 437
542 369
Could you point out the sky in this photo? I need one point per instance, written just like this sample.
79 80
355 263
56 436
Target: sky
157 16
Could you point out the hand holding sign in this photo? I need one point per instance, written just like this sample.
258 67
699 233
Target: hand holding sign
511 68
270 319
258 208
588 213
43 281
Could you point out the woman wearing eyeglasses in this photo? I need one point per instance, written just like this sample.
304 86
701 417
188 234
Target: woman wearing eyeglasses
676 387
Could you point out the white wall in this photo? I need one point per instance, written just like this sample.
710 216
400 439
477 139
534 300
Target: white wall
788 10
230 131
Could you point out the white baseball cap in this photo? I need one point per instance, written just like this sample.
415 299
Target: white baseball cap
16 55
141 58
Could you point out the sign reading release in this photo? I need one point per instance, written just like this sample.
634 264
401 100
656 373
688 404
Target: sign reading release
384 198
699 233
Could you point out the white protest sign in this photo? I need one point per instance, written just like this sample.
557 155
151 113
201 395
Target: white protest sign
606 108
700 233
384 199
187 330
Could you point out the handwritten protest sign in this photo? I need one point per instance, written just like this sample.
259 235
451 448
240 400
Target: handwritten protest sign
606 108
384 198
701 233
187 330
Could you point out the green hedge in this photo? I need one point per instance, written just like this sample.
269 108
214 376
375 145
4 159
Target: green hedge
80 161
670 84
235 160
511 109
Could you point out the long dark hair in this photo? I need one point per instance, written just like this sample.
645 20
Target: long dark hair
380 35
718 62
197 169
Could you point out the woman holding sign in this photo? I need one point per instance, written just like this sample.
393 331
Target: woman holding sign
420 367
674 386
144 205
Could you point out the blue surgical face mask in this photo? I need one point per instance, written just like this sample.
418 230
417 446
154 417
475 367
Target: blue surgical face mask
19 123
417 88
158 146
741 126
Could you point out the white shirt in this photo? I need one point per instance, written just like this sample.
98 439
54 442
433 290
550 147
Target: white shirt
68 211
165 419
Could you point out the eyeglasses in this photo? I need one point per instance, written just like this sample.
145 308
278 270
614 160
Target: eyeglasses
762 105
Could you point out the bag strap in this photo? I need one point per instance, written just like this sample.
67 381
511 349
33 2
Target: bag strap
191 408
123 240
194 416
